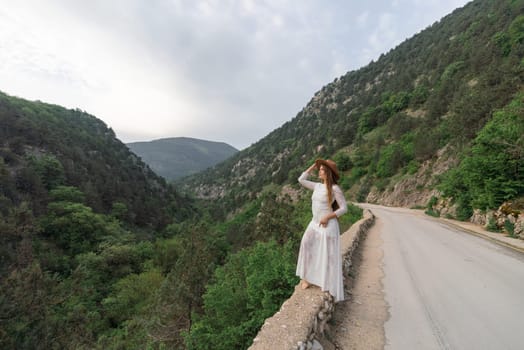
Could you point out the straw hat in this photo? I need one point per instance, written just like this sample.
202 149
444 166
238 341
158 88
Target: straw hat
331 165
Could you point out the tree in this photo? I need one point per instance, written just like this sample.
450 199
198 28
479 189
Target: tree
49 169
76 228
180 295
250 287
343 161
67 194
27 296
493 170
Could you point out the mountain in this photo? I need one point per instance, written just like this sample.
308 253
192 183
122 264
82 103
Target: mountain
399 125
43 146
82 228
177 157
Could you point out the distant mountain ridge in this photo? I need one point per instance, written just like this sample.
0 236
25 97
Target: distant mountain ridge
176 157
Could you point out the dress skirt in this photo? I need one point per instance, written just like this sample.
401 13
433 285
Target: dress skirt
319 259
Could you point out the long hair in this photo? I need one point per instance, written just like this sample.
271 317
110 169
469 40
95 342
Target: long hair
329 182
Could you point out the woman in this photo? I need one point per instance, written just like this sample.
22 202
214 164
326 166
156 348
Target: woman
319 260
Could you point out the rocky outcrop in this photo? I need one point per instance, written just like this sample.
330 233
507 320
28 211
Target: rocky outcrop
417 189
508 218
519 227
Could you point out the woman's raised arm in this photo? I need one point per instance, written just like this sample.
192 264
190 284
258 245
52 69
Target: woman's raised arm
304 181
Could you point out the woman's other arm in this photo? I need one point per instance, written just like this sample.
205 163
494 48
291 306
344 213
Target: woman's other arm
339 197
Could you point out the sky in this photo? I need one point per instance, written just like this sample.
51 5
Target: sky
221 70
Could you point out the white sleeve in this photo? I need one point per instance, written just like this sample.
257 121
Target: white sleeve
305 182
339 197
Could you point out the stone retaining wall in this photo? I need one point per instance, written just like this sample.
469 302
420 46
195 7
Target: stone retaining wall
303 318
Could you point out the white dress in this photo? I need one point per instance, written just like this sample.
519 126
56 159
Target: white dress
319 259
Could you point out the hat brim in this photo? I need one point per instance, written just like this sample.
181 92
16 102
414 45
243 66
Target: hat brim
333 169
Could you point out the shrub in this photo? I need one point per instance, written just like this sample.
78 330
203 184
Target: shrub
509 227
492 225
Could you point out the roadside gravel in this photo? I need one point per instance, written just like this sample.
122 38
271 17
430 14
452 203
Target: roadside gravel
358 322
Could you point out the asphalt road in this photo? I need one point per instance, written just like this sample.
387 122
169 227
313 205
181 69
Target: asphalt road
448 289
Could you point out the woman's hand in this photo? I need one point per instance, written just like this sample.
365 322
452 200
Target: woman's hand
311 168
324 221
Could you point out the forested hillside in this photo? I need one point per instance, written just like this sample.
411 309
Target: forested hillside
44 146
176 157
416 112
79 219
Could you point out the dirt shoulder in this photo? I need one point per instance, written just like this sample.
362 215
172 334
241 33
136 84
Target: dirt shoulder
358 322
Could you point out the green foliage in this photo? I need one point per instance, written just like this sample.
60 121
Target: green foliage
119 211
237 228
451 70
345 183
355 174
412 167
343 161
27 323
353 214
394 103
390 160
430 208
502 40
199 251
364 190
516 31
167 253
400 124
49 169
510 228
419 95
368 120
131 295
493 171
395 156
76 228
249 288
426 143
492 225
273 220
66 194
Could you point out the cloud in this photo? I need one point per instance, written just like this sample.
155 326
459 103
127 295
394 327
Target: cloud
362 19
228 70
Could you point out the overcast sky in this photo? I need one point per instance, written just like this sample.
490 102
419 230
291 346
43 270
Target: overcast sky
220 70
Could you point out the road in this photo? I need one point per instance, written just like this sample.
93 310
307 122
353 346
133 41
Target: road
445 288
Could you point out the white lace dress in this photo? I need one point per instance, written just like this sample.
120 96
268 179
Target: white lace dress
319 260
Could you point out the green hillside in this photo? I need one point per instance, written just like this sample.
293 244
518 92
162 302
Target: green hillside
80 216
43 146
425 101
177 157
